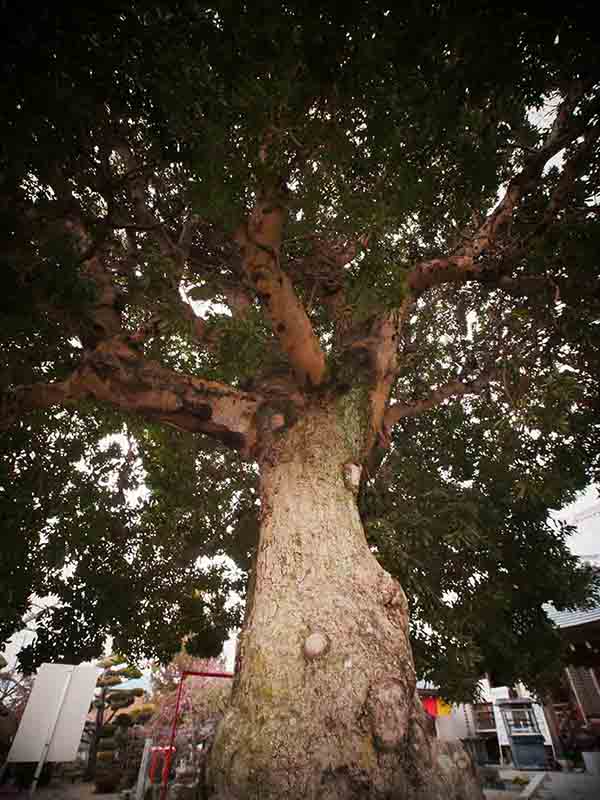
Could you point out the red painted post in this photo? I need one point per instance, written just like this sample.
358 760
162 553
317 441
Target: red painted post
167 764
168 754
209 674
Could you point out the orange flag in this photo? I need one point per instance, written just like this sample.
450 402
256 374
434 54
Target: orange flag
443 708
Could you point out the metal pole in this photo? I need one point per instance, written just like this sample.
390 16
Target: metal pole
141 781
51 730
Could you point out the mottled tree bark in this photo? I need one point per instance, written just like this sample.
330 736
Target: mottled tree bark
324 704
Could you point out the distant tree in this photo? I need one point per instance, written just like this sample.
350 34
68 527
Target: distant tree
15 689
14 692
201 698
336 264
111 698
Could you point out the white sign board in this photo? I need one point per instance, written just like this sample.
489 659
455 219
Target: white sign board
57 708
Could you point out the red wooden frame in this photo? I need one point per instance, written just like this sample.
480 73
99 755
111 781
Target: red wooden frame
169 749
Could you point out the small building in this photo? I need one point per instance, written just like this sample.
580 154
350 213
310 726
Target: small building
506 727
581 631
575 709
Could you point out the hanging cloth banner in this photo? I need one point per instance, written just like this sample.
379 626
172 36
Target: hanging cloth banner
430 705
444 709
436 707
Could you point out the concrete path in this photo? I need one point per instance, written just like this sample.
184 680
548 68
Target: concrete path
561 785
556 786
62 791
569 786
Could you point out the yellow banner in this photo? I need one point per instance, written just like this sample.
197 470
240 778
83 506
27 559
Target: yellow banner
443 708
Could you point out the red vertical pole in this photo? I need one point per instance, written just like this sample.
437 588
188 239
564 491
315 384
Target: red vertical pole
167 765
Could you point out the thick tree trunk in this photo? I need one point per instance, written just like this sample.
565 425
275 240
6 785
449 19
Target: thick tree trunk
324 705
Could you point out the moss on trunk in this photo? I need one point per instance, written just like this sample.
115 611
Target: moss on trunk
324 705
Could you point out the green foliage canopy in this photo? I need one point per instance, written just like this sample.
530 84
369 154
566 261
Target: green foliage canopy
147 124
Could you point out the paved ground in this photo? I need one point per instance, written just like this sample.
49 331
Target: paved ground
72 791
64 791
567 786
556 786
561 785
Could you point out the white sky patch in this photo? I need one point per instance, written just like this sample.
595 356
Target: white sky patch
202 308
586 542
556 161
449 598
542 118
133 497
27 634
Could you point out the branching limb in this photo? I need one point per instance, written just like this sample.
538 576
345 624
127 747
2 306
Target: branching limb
463 264
455 388
260 245
117 376
322 273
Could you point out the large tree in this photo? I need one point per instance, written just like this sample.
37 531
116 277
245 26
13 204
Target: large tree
355 247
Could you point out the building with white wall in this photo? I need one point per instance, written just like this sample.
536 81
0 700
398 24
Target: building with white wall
502 728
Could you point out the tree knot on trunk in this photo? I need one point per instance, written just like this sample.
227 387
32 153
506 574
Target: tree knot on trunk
388 709
316 645
392 596
277 422
352 473
271 418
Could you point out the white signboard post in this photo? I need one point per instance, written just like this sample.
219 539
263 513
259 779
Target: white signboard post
51 726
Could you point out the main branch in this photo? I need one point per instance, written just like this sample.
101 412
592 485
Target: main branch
464 263
120 378
260 245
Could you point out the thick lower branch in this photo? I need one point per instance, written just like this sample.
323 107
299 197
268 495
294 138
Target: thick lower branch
21 400
121 379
